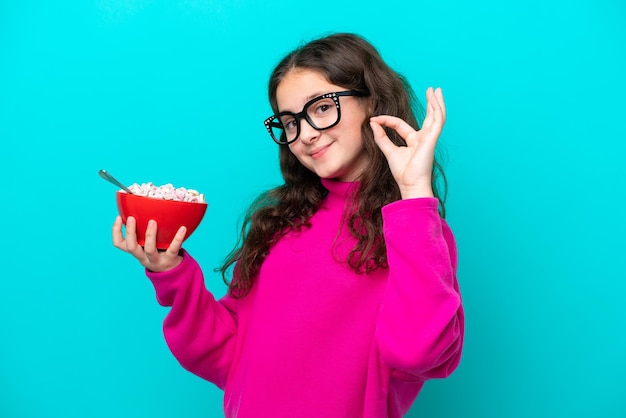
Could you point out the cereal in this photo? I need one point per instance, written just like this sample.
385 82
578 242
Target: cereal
167 192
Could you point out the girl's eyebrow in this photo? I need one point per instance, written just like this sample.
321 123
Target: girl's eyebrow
314 95
307 99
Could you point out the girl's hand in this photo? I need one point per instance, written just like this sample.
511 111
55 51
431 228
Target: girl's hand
148 255
412 165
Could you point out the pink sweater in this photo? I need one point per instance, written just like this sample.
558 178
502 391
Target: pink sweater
314 339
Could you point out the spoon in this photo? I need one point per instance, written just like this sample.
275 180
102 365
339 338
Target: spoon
105 175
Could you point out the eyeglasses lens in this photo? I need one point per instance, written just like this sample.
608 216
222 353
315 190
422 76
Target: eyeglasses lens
321 114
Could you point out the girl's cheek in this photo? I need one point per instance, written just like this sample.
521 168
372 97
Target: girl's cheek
294 148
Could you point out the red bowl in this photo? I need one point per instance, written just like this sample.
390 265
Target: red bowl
169 215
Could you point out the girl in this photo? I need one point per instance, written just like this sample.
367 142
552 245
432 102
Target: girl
343 299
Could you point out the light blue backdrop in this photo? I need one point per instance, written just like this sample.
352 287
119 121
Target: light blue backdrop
174 91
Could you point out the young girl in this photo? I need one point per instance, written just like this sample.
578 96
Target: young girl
343 299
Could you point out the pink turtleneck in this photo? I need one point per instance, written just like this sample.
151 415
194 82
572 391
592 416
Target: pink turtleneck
314 339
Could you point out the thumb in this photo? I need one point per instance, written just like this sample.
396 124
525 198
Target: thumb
381 138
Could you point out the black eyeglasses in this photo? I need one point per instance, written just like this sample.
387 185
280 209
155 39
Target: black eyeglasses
322 112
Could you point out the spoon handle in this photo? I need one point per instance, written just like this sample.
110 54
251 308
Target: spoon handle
105 175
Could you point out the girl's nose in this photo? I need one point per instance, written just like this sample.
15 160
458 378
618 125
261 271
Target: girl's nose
308 134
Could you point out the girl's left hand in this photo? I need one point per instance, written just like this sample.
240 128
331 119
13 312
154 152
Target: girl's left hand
412 165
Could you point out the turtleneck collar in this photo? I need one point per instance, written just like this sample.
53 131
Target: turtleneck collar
339 190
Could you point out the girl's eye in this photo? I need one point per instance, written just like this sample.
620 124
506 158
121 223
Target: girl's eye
323 108
289 124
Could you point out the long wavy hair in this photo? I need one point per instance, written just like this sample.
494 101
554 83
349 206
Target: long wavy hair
349 61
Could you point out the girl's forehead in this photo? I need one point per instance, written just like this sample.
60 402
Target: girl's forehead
299 86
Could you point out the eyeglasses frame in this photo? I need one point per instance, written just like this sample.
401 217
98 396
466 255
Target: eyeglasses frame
303 115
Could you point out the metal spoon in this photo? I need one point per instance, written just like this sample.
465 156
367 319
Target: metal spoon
105 175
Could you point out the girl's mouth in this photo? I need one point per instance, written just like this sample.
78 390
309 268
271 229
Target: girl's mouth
319 152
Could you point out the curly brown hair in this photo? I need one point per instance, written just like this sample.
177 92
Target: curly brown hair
349 61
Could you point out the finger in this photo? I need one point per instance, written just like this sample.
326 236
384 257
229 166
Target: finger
435 112
442 103
149 246
381 138
395 123
430 109
438 104
116 233
131 234
177 242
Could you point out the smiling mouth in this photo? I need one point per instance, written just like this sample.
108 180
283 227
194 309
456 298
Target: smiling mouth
319 151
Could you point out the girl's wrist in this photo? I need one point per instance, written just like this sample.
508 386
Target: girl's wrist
166 267
416 192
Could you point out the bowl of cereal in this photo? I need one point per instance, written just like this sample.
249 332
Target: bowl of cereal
171 207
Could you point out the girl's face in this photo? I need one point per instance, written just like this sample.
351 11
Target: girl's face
334 153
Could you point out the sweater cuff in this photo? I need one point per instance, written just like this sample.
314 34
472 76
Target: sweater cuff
411 204
167 282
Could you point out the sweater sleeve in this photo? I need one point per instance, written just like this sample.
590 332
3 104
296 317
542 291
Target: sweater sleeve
421 323
199 330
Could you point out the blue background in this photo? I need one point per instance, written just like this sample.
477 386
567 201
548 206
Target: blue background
175 91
